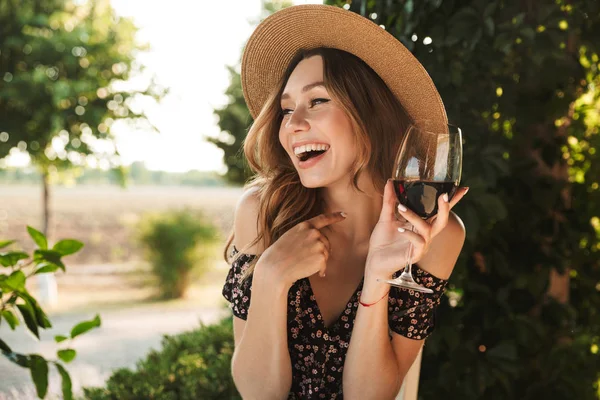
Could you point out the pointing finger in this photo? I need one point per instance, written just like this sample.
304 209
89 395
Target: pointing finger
322 220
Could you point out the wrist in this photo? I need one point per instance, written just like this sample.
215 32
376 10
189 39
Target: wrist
374 273
266 276
374 289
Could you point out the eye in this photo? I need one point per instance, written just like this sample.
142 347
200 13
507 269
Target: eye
314 102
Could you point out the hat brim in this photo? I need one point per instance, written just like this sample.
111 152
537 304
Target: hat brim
276 40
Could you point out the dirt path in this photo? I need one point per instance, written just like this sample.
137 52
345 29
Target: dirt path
125 336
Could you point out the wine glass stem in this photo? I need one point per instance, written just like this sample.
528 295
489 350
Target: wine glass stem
408 268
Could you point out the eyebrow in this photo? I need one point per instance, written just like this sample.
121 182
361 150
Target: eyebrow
305 89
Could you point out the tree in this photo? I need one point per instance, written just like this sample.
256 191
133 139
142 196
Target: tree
521 319
62 65
235 119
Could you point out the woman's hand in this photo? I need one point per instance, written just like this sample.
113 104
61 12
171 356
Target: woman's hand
300 252
388 246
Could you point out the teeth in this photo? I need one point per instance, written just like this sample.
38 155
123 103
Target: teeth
310 147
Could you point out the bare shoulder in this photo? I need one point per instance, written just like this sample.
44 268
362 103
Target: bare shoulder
245 224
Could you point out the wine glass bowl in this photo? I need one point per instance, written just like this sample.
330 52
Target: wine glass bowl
427 165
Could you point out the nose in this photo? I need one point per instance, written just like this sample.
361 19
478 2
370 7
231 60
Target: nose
297 121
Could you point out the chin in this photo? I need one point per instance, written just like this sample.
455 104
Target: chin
313 183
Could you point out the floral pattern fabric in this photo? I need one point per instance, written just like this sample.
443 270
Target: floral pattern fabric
318 352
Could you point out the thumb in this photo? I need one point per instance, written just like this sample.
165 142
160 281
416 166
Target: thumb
389 202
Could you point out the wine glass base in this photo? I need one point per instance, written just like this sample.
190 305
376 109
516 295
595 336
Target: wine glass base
407 284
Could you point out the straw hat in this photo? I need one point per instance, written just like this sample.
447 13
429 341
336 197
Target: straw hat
276 40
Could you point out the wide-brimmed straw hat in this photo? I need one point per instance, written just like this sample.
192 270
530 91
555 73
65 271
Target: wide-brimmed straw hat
276 40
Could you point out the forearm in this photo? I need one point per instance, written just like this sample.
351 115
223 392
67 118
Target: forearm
261 365
371 370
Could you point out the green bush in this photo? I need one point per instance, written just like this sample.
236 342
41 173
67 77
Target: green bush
178 244
192 365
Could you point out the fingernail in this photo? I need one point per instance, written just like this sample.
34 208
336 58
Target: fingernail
343 214
401 208
401 230
466 190
445 197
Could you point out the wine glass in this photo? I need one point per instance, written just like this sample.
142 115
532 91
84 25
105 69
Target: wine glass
427 165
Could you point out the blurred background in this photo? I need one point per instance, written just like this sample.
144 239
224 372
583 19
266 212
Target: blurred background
121 123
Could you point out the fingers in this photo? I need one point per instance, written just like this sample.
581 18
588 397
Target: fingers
389 202
323 220
460 193
326 251
442 215
323 239
419 223
416 239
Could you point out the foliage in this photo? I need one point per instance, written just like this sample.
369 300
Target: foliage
16 301
178 244
234 117
62 63
191 365
521 319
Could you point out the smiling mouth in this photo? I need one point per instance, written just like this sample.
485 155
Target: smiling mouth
311 154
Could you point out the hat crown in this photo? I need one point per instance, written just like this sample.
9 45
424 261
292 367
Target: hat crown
278 38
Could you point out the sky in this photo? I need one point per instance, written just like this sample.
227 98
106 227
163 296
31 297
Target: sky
192 42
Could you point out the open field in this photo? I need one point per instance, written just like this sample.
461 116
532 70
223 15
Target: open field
110 269
103 217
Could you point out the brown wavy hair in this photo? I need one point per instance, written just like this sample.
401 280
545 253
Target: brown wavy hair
378 121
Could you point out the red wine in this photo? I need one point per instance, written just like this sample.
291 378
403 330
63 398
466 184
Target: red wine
422 196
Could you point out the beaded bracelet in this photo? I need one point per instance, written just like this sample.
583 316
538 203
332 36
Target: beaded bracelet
369 305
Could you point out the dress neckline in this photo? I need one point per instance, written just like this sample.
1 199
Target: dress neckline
349 303
313 299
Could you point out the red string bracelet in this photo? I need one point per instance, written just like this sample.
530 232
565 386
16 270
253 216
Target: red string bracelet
369 305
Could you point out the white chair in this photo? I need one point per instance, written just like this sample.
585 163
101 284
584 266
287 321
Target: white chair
410 386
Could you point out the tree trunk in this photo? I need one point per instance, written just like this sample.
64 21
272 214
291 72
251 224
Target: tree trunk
48 290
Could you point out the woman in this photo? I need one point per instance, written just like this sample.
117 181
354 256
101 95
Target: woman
315 231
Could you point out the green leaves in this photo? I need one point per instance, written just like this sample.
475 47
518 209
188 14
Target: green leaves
4 347
11 259
50 257
60 338
14 282
68 246
38 237
30 319
66 382
67 355
40 315
39 373
85 326
5 243
16 299
10 318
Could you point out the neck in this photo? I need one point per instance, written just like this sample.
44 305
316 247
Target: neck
362 209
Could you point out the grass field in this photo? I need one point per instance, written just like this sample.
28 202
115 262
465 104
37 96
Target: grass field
110 269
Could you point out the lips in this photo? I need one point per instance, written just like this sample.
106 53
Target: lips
312 161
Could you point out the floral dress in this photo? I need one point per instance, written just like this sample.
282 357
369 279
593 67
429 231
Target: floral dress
318 352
